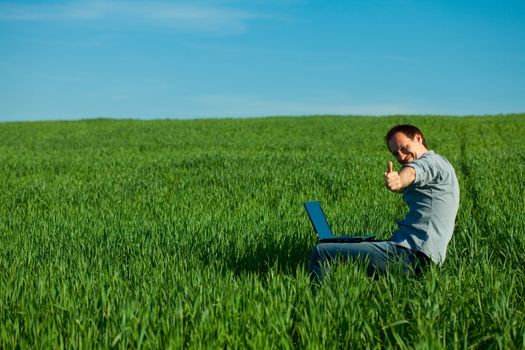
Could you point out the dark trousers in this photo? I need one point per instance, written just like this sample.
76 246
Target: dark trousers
378 256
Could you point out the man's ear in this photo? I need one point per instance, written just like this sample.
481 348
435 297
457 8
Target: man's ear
418 138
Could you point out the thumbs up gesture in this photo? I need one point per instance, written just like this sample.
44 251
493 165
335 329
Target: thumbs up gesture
392 179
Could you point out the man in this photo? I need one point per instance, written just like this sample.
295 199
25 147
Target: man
431 191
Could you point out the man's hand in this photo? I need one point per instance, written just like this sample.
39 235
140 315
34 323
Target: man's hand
392 179
397 182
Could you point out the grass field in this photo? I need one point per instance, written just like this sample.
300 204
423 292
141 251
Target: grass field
192 234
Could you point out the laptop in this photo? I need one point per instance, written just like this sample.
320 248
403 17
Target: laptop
318 219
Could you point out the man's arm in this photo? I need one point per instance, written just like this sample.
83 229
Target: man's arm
398 181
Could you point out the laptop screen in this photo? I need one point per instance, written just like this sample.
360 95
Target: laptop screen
316 215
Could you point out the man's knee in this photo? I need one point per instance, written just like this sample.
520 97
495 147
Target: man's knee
317 255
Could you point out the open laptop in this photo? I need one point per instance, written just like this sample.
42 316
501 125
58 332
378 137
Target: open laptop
318 219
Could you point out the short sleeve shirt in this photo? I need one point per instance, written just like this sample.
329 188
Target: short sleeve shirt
433 202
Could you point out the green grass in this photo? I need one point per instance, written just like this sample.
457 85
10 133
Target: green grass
154 234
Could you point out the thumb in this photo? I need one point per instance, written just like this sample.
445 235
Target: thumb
389 167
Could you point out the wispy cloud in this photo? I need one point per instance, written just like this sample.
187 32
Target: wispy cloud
251 106
403 59
52 12
199 17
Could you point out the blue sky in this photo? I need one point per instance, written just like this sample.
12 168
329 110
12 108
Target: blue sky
194 59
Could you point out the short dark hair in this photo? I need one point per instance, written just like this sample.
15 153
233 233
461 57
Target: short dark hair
408 130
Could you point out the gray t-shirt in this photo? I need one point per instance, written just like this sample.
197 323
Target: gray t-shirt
433 202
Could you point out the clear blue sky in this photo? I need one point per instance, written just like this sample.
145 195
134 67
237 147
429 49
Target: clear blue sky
191 59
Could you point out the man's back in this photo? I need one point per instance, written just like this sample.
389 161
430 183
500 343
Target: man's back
433 201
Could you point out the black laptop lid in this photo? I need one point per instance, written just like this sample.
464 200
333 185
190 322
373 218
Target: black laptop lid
316 215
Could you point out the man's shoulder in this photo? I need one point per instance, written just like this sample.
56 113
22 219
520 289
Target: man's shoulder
433 158
431 167
438 158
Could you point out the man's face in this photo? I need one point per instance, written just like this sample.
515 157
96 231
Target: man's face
405 149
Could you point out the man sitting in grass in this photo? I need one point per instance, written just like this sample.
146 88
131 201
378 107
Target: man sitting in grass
431 191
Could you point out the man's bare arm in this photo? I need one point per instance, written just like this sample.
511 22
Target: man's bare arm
398 181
